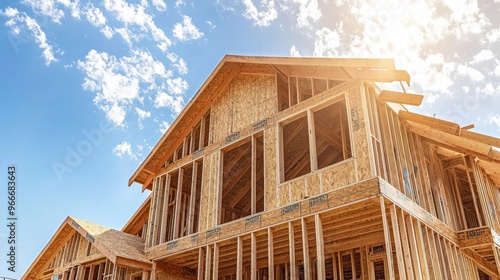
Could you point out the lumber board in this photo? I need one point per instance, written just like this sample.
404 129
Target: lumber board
435 123
401 97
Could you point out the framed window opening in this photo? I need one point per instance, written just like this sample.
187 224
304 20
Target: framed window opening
314 139
242 179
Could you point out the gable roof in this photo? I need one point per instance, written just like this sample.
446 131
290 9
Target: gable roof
375 70
119 247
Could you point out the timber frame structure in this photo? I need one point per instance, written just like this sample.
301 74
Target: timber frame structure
300 168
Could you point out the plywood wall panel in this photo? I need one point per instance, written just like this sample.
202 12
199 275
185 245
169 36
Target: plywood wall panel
247 99
270 168
338 176
359 134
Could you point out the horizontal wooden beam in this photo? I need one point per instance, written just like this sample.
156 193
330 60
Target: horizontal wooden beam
385 76
125 262
442 125
401 97
491 168
477 148
493 141
315 61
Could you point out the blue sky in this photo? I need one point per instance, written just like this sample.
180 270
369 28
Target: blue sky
88 87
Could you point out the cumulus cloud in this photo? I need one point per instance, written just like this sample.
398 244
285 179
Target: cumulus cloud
119 81
54 8
23 27
96 18
493 35
178 63
265 16
294 51
472 73
483 55
142 113
495 119
308 12
163 127
136 22
327 42
186 30
175 103
160 5
124 148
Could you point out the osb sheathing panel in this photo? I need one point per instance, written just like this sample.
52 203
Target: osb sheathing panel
313 185
337 176
166 271
359 134
270 168
209 197
247 100
321 181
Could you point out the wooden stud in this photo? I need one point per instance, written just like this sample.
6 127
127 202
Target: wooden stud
216 261
239 259
387 238
291 244
404 241
201 260
253 179
270 253
192 199
397 243
208 263
353 265
178 204
253 256
305 250
320 250
312 141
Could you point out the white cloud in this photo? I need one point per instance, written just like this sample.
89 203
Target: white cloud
493 35
179 3
483 55
497 70
115 113
265 16
54 8
163 127
142 114
186 30
327 42
465 17
124 148
495 119
470 72
96 18
211 25
178 63
308 11
135 16
28 28
160 5
118 82
175 103
294 51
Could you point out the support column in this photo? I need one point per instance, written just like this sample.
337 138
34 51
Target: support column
387 238
320 249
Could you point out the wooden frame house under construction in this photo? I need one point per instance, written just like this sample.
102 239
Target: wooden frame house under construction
300 168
